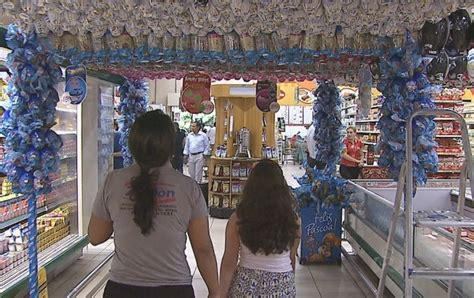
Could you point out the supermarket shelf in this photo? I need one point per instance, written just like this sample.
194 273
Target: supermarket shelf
449 171
369 143
240 178
40 211
10 197
450 154
448 136
17 279
449 101
445 119
68 156
366 120
62 181
65 110
350 114
219 177
348 107
219 193
376 106
65 132
368 132
469 121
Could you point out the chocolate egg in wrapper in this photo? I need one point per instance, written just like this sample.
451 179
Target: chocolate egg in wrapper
216 42
247 42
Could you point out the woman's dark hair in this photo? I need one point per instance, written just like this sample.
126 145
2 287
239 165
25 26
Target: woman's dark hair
267 221
151 142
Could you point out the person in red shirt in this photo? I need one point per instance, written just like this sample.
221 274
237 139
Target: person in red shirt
352 155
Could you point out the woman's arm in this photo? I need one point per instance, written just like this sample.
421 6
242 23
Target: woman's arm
296 243
348 157
231 255
99 230
204 252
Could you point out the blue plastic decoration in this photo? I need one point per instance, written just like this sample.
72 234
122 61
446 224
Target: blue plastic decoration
26 126
328 125
133 103
406 90
320 188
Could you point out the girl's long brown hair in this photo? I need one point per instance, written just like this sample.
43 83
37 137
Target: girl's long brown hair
267 221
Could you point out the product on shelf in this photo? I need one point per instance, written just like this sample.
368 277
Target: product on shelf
52 228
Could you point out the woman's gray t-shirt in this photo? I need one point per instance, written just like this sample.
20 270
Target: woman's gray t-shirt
158 258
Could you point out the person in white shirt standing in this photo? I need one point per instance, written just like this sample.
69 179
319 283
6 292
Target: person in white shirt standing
211 134
197 145
311 147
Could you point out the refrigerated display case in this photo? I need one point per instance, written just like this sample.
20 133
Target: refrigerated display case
367 223
59 238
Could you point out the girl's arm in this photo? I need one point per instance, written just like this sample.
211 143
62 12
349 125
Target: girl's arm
296 243
198 232
231 255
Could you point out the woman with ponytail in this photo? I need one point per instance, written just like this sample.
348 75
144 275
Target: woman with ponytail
150 208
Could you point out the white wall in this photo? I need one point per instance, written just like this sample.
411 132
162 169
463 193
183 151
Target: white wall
88 149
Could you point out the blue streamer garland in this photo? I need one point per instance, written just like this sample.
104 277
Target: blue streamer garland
328 125
31 146
406 90
238 57
133 103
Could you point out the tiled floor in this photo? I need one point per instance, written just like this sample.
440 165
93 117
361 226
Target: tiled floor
315 281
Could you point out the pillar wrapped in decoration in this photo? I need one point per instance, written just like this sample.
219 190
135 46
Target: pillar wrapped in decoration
133 103
406 90
31 146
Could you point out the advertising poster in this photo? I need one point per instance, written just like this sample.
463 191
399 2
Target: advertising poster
196 93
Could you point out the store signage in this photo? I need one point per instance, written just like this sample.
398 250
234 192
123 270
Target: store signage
266 94
321 234
196 94
76 86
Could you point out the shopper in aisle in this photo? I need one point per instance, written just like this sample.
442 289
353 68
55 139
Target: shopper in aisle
261 238
211 134
177 160
118 159
150 208
195 148
311 150
352 155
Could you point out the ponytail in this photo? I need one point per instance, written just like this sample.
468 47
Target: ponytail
151 142
143 193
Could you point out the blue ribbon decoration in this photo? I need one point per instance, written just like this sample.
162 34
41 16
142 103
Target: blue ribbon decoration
143 54
320 188
31 146
406 89
133 104
328 126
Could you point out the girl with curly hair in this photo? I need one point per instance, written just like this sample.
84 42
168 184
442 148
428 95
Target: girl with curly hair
261 238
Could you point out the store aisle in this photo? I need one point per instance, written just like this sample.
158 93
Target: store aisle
314 281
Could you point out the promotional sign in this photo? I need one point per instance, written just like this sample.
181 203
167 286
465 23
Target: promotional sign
266 95
196 94
76 86
321 234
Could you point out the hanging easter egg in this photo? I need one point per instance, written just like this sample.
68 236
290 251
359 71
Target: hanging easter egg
265 95
207 107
